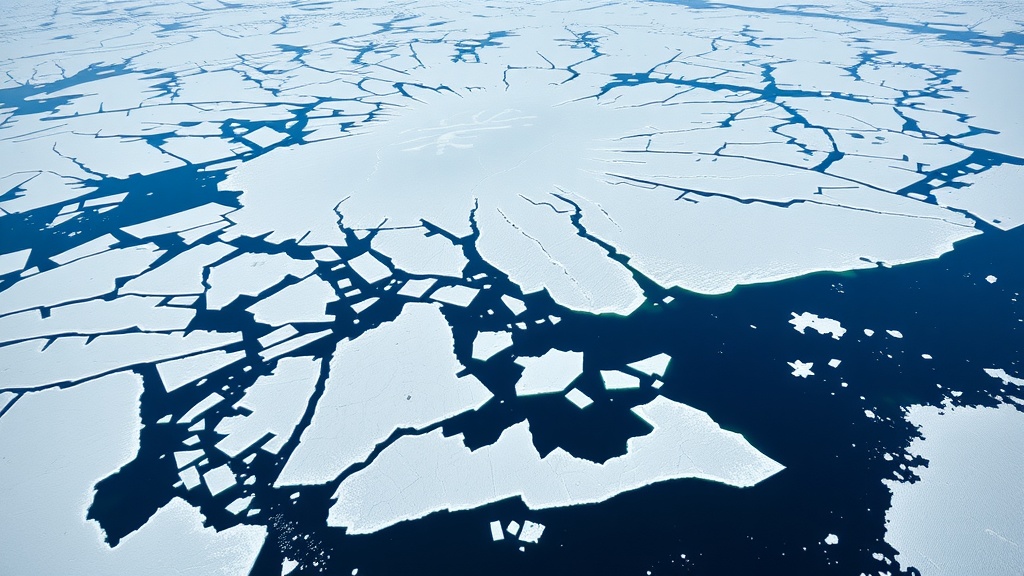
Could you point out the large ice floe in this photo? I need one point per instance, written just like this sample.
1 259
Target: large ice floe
313 232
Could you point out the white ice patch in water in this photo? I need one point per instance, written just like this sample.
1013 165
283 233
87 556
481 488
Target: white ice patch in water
416 288
801 369
487 344
834 363
404 481
219 479
496 532
401 374
369 268
964 514
1005 376
455 295
531 532
991 279
305 301
831 539
176 373
14 261
276 402
615 380
578 398
894 333
653 366
514 304
802 322
550 373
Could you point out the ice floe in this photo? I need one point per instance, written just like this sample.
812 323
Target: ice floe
305 301
653 366
801 369
487 344
550 373
615 380
802 322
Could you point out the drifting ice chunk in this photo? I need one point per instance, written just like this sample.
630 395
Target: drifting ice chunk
176 373
288 566
239 505
198 410
487 344
1001 374
532 532
362 305
831 539
88 249
219 479
834 363
265 137
653 366
552 372
14 261
821 325
416 288
801 369
405 482
186 457
894 333
185 220
869 332
496 532
281 334
615 380
277 403
326 255
514 304
305 301
578 398
513 528
401 374
190 477
292 345
455 295
991 279
369 268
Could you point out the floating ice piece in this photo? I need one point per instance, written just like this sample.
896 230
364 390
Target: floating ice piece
276 402
305 301
869 332
94 246
326 255
532 532
98 433
185 457
14 261
834 363
514 304
401 374
288 566
250 273
869 414
219 479
185 220
991 279
190 477
831 539
105 200
653 366
615 380
292 345
404 481
513 528
963 514
416 288
265 137
496 531
279 335
182 274
455 295
413 252
176 373
183 301
926 356
487 344
85 278
201 408
240 504
369 268
550 373
34 363
801 369
894 333
578 398
1003 375
822 325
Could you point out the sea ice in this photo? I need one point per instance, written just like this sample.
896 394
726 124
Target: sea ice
532 532
653 366
550 373
822 325
578 398
615 380
455 295
369 268
487 344
801 369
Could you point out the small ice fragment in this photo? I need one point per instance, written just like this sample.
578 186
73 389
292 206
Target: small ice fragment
343 284
869 332
991 279
487 344
265 136
456 295
668 299
362 305
288 566
14 261
831 539
894 333
926 356
416 288
191 440
219 479
189 477
615 380
554 319
801 369
531 532
369 268
869 413
834 363
514 304
550 373
820 324
165 420
325 255
513 528
653 366
182 301
186 457
197 410
239 505
496 533
578 398
657 384
280 335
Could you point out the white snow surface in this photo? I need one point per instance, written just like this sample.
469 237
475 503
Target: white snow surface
418 475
